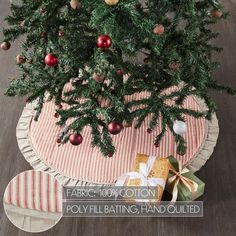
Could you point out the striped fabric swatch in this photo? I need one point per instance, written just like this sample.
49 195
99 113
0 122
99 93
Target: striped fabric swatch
35 190
87 163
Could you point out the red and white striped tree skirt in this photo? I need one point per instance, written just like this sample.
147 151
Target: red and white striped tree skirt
84 164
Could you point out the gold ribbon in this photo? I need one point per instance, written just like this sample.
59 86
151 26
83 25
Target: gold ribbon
177 177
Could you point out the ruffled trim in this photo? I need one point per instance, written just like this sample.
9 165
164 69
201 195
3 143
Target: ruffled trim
26 147
209 143
32 213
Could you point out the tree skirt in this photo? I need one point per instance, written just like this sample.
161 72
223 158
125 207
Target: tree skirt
83 165
33 201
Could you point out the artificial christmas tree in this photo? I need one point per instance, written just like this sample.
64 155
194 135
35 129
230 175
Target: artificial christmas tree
92 45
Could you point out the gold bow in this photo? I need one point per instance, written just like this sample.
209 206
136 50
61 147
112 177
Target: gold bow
177 177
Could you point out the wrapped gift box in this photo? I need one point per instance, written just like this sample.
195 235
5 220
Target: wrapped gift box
182 183
147 171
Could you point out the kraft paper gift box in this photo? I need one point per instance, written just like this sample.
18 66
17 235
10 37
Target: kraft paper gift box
182 183
147 171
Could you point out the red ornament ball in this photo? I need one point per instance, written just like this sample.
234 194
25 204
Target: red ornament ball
157 145
20 59
51 60
76 139
110 154
104 41
43 35
216 13
61 33
98 78
115 127
5 46
146 60
120 72
149 131
175 65
159 30
75 4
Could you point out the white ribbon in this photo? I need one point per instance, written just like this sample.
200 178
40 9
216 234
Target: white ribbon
144 171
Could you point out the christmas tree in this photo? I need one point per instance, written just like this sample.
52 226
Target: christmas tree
93 46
